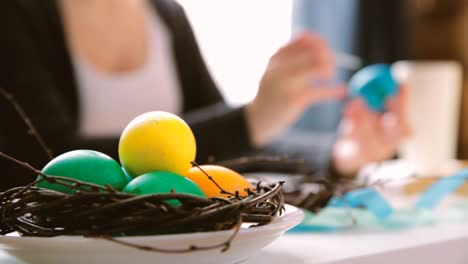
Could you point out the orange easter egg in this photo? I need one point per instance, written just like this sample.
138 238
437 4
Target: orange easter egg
227 179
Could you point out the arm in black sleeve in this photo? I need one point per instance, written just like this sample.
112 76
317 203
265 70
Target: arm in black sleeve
221 133
28 50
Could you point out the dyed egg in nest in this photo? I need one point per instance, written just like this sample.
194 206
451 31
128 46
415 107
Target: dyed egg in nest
222 179
157 141
162 182
84 165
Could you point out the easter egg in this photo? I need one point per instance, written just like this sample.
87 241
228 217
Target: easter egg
162 182
157 141
84 165
227 179
127 175
375 84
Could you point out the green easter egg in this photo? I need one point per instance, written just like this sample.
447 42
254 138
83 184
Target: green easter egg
127 175
84 165
162 182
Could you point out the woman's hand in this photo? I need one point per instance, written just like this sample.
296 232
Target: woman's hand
291 83
366 136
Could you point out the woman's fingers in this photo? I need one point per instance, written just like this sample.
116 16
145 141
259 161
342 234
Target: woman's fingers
307 54
287 87
398 106
365 128
323 55
315 95
375 136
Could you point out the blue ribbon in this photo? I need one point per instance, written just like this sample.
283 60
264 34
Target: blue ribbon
366 198
440 189
372 201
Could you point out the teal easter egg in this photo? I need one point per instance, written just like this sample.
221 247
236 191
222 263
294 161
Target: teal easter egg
163 182
84 165
375 84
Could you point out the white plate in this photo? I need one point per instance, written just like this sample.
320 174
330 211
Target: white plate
71 249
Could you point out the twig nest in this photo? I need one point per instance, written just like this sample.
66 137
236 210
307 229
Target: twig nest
33 211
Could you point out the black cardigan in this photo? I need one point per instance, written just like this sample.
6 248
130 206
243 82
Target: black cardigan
35 67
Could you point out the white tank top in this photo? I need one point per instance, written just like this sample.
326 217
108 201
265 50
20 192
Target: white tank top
109 101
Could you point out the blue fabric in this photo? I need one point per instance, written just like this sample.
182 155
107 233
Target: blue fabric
364 28
372 30
313 135
334 20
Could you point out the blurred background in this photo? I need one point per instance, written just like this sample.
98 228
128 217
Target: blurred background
376 31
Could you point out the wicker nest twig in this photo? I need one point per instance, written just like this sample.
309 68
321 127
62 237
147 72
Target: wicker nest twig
33 211
100 211
312 192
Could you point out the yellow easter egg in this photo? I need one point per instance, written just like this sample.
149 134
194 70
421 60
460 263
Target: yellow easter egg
157 141
229 180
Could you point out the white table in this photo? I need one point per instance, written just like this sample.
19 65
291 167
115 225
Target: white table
434 244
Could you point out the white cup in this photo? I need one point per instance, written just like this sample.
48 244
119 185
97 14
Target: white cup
434 96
